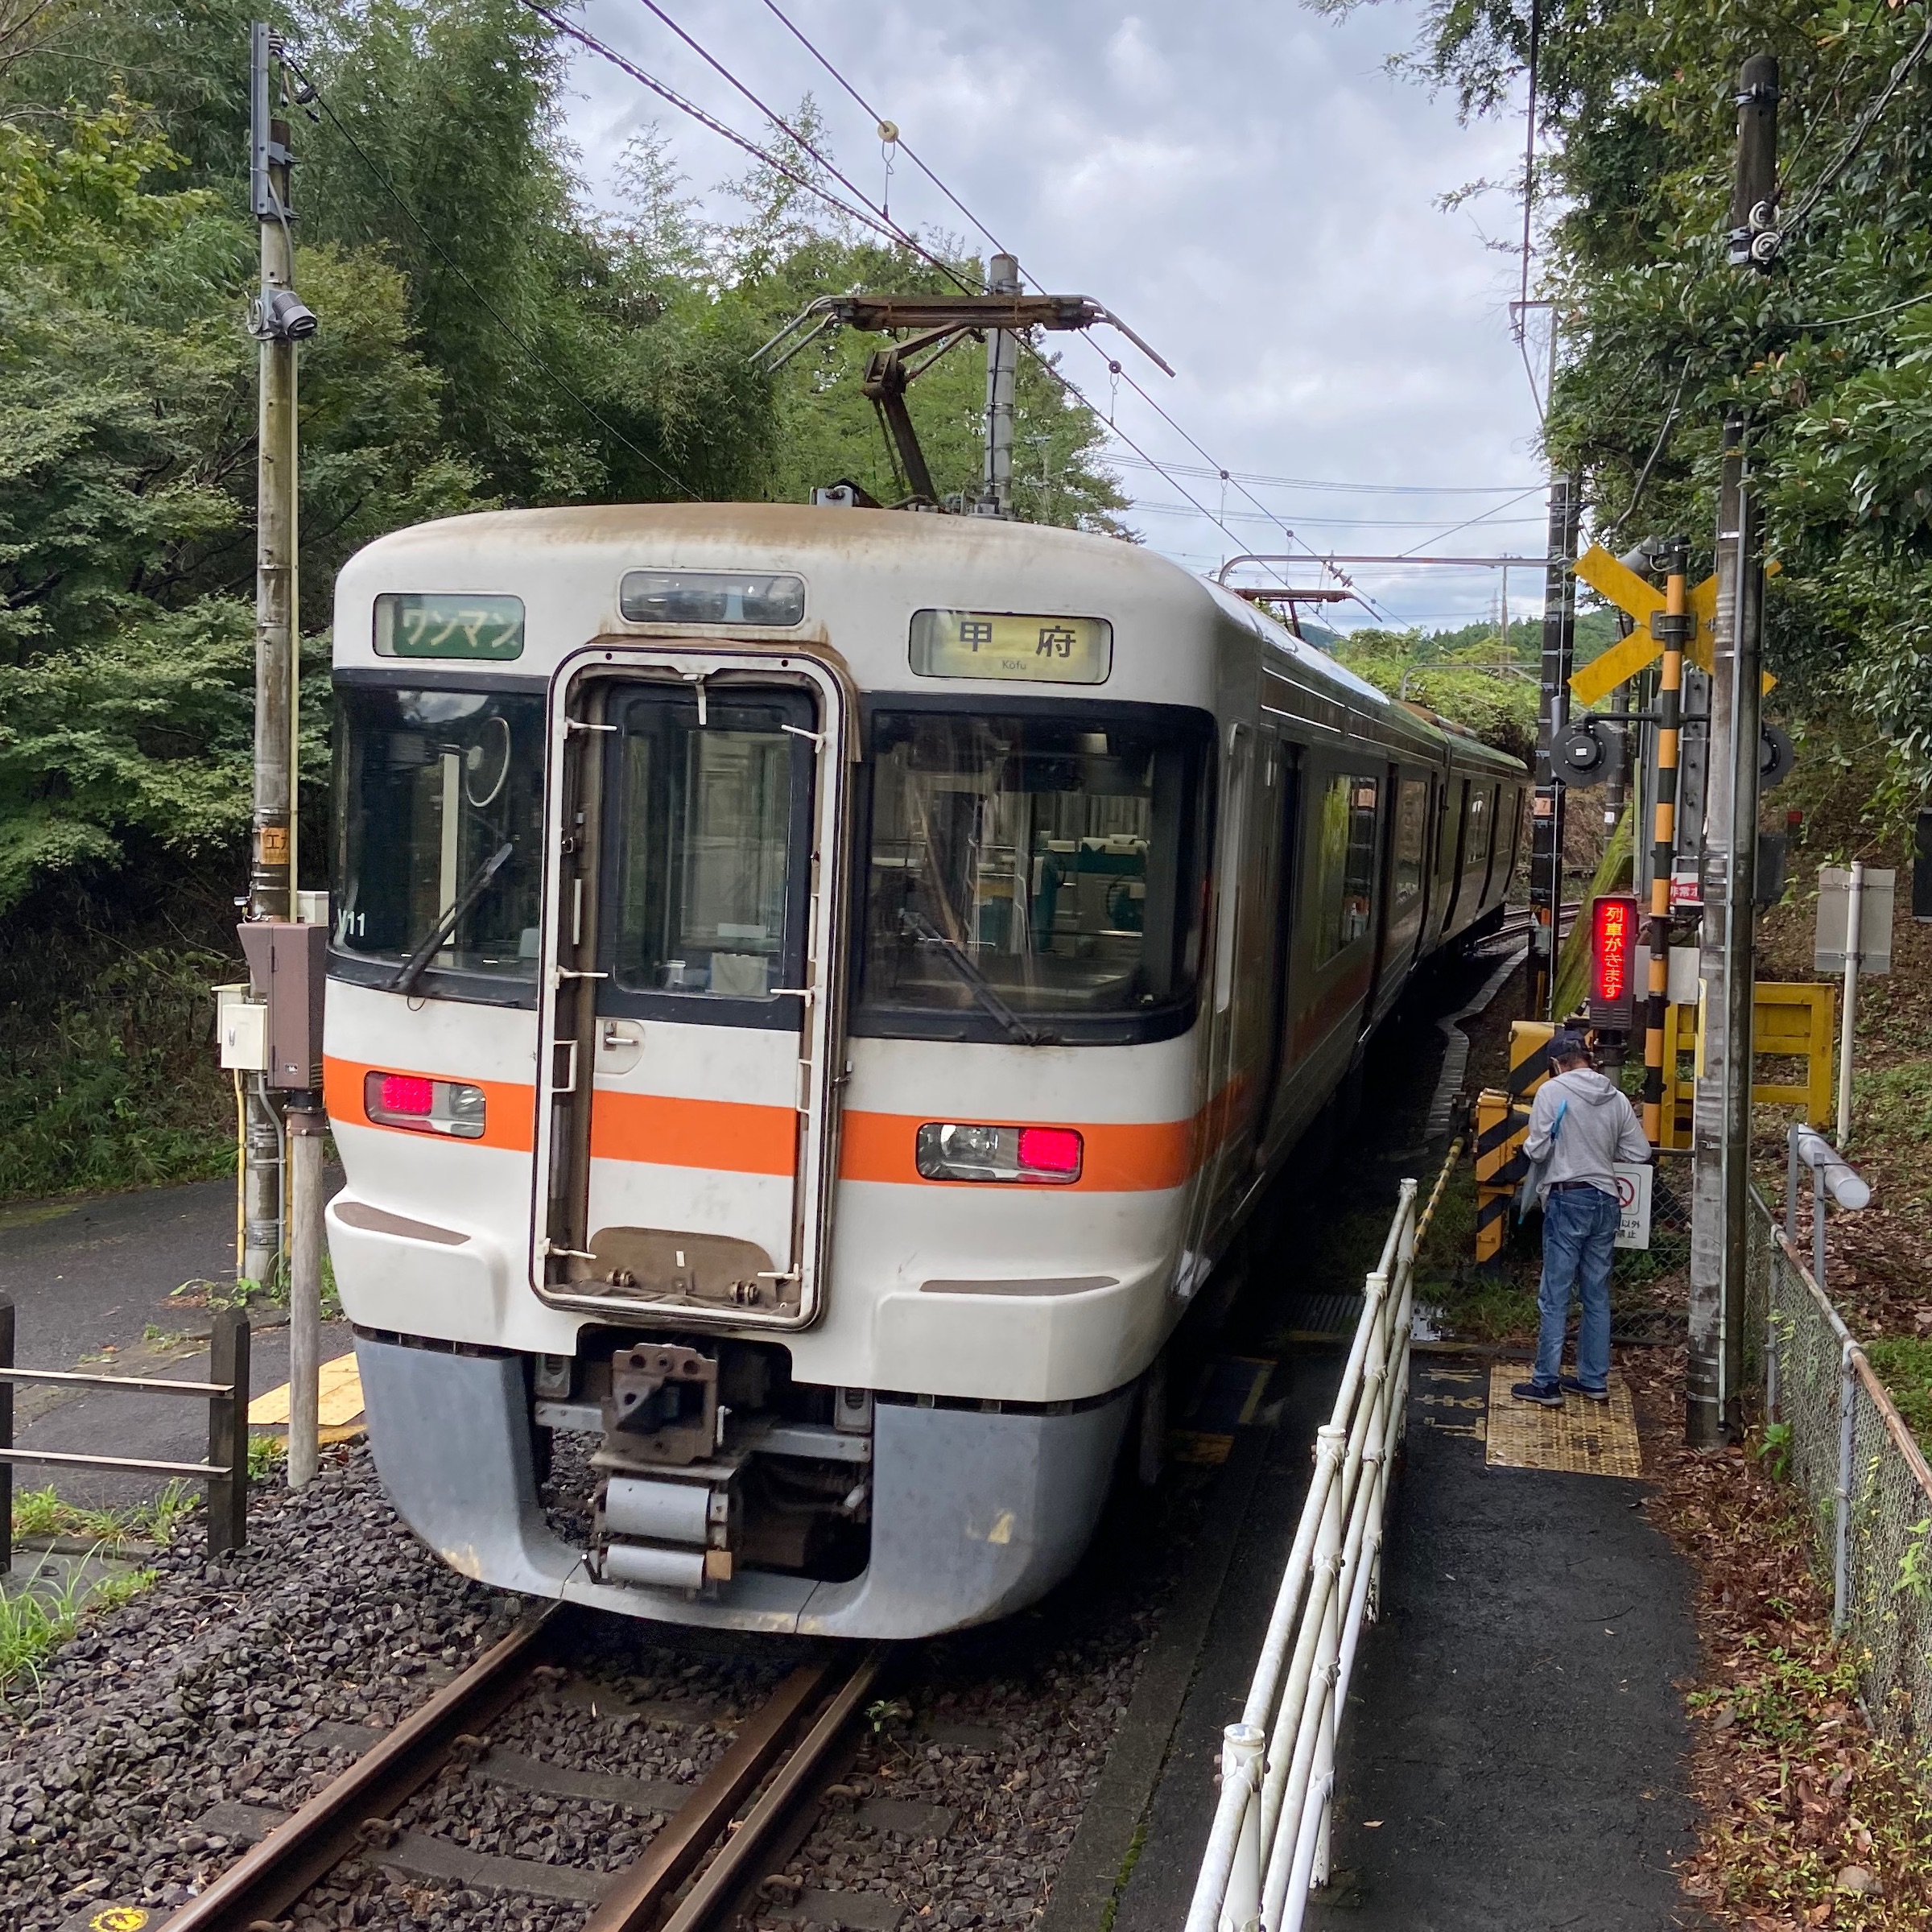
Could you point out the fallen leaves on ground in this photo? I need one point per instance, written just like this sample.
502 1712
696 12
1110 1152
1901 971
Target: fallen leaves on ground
1808 1819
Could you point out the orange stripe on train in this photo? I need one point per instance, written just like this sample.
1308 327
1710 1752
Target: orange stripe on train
733 1137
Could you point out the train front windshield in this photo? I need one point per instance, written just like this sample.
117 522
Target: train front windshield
434 789
1044 865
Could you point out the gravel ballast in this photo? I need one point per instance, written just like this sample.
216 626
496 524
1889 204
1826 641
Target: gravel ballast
236 1682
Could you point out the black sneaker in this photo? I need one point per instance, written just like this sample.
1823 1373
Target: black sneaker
1545 1395
1570 1385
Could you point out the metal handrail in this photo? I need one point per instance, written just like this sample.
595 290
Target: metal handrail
1269 1843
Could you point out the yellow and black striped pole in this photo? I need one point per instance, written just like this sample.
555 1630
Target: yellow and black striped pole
1671 627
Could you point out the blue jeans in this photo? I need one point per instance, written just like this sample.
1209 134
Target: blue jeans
1579 1237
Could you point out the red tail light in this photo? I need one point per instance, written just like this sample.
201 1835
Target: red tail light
1050 1150
405 1093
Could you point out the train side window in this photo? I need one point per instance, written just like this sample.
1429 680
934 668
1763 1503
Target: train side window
1346 869
1411 837
1480 801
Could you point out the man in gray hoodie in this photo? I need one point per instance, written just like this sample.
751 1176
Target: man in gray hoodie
1580 1126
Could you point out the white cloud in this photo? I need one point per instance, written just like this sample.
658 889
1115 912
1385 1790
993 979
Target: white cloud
1242 181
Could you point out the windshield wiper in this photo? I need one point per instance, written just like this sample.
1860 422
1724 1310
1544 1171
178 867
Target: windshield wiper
960 960
411 969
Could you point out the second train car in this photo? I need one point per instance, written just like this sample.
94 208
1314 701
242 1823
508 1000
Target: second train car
812 993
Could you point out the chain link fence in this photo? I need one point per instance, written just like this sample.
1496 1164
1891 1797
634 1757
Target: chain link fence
1868 1490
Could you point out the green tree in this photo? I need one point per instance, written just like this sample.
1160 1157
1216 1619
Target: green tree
1831 355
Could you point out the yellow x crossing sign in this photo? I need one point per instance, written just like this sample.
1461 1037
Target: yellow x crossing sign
1623 587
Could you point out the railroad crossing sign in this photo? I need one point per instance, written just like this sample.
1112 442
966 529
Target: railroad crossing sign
1642 601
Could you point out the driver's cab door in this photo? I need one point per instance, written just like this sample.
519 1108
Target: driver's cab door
689 1054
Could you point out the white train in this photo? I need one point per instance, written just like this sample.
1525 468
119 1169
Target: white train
813 991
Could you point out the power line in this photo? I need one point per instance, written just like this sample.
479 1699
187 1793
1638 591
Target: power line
1414 490
875 217
1256 516
866 216
877 120
483 302
791 133
1483 516
1861 128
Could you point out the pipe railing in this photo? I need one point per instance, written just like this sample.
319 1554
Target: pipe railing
1268 1843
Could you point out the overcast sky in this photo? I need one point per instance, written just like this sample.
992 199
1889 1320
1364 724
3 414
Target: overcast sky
1242 181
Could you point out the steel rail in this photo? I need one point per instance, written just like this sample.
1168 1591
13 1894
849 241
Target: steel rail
261 1885
634 1901
735 1866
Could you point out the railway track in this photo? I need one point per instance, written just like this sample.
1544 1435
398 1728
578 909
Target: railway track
741 1819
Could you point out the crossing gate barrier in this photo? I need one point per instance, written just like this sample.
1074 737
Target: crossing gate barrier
1790 1019
1502 1119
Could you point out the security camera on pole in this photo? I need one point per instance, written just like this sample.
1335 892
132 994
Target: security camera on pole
284 1123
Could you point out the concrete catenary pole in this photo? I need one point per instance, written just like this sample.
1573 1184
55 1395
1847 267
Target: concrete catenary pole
271 870
1552 714
1721 1136
1002 365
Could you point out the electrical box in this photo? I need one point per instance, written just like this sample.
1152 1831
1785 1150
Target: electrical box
287 961
240 1031
1685 986
311 908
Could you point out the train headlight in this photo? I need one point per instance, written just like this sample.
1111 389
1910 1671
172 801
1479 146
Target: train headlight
407 1100
949 1152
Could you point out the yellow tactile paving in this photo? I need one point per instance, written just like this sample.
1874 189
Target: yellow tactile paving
341 1407
1582 1438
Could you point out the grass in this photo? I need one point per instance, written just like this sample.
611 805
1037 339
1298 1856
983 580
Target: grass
35 1622
1904 1363
40 1513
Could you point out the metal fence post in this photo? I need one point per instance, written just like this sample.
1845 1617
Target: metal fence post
1818 1228
1841 1564
1242 1748
1791 1183
228 1433
6 1438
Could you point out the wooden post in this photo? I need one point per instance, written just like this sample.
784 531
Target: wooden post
228 1433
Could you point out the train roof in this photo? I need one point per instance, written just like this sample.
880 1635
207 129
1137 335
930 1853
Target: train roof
865 572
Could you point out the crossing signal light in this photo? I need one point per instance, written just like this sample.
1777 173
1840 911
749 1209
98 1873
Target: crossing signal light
1613 956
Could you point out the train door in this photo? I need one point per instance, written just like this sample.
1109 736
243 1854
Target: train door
687 1091
1454 830
1285 867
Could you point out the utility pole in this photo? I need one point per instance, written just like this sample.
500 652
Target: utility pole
282 1180
1721 1134
1002 365
272 849
1546 827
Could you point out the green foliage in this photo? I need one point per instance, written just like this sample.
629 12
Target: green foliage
1904 1363
1831 354
1774 1451
39 1614
1782 1703
109 1082
41 1513
1474 684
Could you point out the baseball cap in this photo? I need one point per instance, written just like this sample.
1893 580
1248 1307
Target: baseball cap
1567 1044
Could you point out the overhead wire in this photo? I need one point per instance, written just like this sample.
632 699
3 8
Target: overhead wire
544 365
1468 522
870 215
793 133
874 217
1860 129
